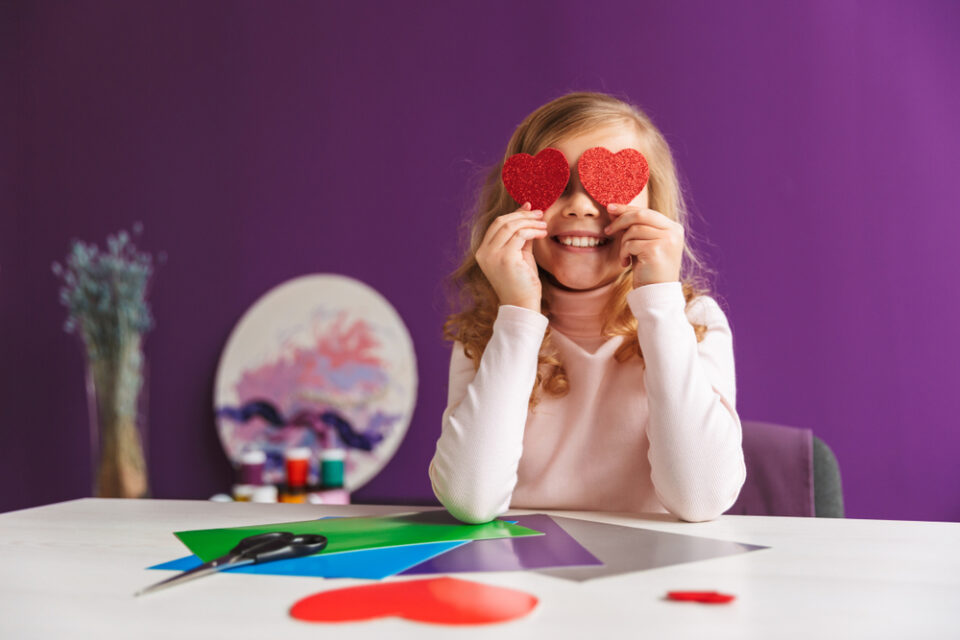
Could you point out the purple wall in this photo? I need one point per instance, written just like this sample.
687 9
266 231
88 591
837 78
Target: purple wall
819 142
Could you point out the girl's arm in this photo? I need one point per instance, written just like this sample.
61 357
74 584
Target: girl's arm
696 456
474 469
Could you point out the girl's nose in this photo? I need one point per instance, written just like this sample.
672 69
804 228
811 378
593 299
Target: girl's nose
582 212
579 203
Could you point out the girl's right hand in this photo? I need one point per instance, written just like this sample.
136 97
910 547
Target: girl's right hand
506 257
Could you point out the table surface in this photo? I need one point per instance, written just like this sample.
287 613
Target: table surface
70 569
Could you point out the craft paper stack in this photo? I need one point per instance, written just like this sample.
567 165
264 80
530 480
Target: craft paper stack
433 542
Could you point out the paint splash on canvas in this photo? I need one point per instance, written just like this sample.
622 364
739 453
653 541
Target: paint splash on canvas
331 377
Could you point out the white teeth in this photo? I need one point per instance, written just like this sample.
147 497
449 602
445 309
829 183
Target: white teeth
581 241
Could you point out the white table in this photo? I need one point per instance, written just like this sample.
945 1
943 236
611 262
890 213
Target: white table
70 569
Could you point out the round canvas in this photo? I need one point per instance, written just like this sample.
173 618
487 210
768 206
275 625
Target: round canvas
319 361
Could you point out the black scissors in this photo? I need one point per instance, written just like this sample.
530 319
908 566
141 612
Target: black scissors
264 547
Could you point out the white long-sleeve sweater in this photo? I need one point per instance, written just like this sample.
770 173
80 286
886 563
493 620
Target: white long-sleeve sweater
664 438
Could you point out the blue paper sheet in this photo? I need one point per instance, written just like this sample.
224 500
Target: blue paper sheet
371 564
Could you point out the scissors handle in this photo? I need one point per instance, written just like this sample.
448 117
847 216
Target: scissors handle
277 545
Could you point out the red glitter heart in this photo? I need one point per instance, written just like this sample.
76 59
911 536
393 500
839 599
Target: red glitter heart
437 600
538 179
613 177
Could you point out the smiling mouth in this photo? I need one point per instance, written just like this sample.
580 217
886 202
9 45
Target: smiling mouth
581 242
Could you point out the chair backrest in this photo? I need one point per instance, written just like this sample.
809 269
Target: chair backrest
789 473
827 486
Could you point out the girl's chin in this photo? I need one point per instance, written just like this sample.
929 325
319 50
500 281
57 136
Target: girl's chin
579 283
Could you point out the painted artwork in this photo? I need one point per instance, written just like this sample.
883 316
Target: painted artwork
320 361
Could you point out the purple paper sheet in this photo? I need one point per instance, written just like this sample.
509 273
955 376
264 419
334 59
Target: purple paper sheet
555 549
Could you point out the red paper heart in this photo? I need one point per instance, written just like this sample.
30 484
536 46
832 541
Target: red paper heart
538 179
436 600
707 597
613 177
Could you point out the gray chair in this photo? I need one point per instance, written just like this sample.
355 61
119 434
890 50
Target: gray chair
827 487
790 472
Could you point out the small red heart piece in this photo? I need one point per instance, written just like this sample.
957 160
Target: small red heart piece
613 177
436 600
707 597
538 179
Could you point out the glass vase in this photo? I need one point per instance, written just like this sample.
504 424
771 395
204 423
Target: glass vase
116 399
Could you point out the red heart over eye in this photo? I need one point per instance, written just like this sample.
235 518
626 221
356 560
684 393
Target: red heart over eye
538 179
436 600
613 177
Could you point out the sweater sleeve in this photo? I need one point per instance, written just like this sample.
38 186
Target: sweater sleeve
474 469
696 454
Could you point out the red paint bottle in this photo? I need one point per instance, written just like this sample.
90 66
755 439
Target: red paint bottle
297 466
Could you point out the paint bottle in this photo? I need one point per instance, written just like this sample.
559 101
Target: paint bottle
330 490
297 466
331 468
243 492
251 467
265 493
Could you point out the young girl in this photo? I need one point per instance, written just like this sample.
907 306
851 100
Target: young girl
587 373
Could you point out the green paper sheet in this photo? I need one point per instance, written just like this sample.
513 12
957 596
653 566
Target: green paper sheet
352 534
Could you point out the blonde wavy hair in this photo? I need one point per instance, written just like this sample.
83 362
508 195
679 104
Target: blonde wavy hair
473 299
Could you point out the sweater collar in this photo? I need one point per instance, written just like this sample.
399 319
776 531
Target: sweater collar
578 313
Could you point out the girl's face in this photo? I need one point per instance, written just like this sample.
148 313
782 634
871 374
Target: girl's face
576 215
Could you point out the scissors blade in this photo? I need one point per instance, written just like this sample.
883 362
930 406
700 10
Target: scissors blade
264 547
205 569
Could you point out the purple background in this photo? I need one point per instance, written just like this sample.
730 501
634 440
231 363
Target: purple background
818 141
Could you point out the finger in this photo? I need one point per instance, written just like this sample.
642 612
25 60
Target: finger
642 232
628 214
632 248
628 224
497 225
507 230
535 214
522 238
644 217
528 245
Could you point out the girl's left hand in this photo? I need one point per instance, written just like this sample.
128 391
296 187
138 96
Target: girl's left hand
651 239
